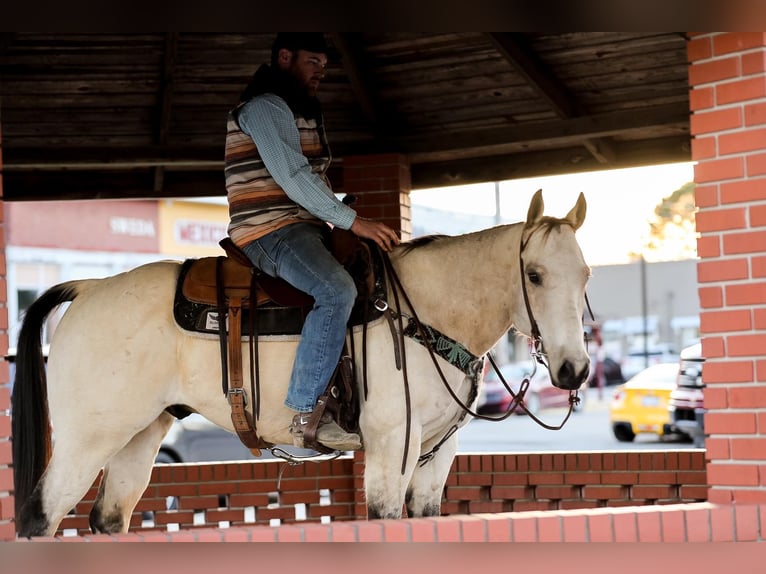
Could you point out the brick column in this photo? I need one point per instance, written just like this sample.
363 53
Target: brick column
382 185
7 531
727 78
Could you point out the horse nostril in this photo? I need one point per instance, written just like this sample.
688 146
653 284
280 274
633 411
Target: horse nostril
566 375
568 379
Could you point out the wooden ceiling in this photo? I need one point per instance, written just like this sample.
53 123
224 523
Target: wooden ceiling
143 115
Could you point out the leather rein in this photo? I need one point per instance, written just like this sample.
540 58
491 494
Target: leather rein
538 354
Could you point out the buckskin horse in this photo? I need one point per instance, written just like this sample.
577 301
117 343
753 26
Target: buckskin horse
118 361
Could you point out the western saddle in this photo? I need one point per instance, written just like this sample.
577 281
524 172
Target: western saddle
231 284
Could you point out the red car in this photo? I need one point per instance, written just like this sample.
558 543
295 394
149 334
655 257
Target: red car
541 394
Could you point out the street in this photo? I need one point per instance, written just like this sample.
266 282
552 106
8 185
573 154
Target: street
584 431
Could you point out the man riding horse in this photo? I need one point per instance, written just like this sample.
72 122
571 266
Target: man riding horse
280 202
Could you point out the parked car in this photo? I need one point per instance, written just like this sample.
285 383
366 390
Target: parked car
612 373
196 439
641 404
636 360
541 394
686 404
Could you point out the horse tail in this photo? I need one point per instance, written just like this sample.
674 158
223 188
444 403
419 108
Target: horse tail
30 421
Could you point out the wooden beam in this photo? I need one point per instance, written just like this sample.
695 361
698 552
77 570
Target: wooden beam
138 184
167 91
549 162
572 130
421 149
352 58
45 186
105 159
517 51
384 126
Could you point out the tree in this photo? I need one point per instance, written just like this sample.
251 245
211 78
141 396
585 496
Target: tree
672 233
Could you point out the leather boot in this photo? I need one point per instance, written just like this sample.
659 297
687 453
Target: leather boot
329 433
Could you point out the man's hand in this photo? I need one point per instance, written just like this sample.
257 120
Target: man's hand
380 233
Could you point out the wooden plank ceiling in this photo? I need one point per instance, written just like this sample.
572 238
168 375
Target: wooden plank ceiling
143 115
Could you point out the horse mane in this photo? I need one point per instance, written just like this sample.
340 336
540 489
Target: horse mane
547 224
421 241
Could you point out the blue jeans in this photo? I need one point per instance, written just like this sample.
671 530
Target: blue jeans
297 254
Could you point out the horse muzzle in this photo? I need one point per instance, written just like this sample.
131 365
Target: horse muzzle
569 377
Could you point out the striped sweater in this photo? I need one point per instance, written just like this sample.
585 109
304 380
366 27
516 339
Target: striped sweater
258 205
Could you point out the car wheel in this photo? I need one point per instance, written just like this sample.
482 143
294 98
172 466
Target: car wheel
164 457
532 402
623 432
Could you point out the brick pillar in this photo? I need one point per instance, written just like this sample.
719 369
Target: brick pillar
382 185
7 531
727 78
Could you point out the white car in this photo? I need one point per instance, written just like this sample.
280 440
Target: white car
634 361
196 439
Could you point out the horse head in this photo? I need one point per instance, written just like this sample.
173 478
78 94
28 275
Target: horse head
553 288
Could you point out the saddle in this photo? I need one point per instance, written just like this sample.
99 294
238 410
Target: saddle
216 295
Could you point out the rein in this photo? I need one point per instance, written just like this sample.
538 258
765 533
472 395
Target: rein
423 334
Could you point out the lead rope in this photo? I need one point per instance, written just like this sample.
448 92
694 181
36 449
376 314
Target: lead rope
403 356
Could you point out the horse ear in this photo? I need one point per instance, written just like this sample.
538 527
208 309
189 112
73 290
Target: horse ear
576 215
536 208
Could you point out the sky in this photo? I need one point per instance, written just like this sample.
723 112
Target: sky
620 203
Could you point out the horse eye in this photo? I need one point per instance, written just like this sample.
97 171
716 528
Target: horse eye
534 278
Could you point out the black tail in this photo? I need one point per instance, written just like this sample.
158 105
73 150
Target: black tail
30 424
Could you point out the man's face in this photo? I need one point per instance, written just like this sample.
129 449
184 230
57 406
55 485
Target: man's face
307 67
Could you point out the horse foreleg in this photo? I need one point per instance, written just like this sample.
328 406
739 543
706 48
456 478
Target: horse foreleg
424 494
385 484
126 477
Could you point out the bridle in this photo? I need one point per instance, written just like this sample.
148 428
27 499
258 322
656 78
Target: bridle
537 352
538 349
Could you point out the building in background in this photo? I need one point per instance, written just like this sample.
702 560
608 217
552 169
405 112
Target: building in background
54 241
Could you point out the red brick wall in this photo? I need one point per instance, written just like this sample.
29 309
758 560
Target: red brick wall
249 493
6 472
698 522
727 76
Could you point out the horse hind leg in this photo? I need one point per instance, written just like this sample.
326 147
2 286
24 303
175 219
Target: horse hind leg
126 477
424 493
61 487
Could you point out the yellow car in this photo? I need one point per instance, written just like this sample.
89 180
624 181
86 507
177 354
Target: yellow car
641 404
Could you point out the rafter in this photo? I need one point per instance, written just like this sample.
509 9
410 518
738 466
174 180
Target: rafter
167 89
516 50
349 45
570 131
548 162
68 184
351 55
420 148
